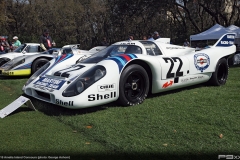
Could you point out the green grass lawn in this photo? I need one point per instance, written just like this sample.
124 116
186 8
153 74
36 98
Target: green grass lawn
198 122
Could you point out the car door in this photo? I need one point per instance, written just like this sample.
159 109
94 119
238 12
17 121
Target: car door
174 67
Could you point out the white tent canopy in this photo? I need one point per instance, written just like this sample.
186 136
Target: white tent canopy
234 29
215 32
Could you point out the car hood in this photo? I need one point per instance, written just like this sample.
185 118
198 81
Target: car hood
66 67
10 54
69 73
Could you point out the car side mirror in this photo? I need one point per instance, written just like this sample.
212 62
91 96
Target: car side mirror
24 52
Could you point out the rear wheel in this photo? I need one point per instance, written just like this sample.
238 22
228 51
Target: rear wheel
219 77
37 64
133 86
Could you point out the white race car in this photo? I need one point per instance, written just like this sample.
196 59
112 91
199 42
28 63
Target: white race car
127 71
26 49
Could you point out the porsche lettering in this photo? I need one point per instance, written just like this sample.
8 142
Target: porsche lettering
128 43
95 97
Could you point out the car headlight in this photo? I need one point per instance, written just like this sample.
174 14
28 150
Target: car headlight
37 73
13 63
84 81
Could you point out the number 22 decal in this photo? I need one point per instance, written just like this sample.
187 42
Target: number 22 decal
172 60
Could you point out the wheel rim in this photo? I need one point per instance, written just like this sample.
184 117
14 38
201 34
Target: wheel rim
222 73
40 64
134 86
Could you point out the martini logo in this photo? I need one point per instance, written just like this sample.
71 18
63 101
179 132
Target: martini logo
167 84
201 61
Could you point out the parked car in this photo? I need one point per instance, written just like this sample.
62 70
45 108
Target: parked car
127 71
25 49
27 65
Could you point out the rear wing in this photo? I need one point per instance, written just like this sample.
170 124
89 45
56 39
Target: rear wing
163 40
226 40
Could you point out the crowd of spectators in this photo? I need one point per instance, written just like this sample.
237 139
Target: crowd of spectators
7 46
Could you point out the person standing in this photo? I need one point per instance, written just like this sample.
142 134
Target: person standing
4 45
46 41
16 43
156 35
186 43
144 37
130 37
104 42
150 37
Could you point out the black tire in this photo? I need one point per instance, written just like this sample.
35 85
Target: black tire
37 64
219 77
133 86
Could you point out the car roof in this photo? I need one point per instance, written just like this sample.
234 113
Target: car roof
32 43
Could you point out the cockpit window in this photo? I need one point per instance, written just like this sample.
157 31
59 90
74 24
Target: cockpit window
20 48
113 50
67 51
32 49
126 49
151 48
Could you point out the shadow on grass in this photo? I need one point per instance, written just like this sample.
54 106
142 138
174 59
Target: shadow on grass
55 110
234 66
150 96
14 77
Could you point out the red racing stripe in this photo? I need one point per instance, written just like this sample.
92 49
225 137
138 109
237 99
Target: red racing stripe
126 57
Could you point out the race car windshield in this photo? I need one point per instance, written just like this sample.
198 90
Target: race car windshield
113 50
20 48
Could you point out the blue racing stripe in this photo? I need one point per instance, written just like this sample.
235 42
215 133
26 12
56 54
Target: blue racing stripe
121 60
26 66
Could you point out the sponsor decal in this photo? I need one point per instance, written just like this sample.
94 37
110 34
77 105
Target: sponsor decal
106 87
60 102
167 84
43 88
184 80
122 59
201 61
7 73
175 48
227 40
96 97
26 66
50 83
128 43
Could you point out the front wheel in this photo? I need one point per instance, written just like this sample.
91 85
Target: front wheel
133 86
37 64
219 77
